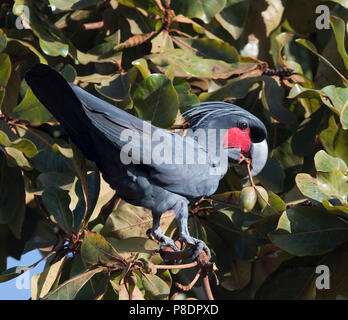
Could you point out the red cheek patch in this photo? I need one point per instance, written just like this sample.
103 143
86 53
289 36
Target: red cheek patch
237 138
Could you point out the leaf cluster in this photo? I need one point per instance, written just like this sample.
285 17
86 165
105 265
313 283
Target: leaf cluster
155 58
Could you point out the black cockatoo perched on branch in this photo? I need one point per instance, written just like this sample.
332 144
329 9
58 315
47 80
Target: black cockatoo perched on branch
166 173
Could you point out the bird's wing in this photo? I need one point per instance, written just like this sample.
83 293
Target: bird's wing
162 154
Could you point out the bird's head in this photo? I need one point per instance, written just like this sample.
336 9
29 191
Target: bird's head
243 134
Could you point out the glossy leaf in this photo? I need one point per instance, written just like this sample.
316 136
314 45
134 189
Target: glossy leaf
203 10
339 29
42 283
307 231
12 197
232 17
23 145
131 221
94 247
153 94
188 65
155 287
272 15
70 288
31 109
57 202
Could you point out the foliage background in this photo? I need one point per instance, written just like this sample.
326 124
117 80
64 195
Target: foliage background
153 58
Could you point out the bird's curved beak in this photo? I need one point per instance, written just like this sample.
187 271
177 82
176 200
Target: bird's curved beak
259 156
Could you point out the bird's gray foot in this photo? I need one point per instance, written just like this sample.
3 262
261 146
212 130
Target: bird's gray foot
162 239
199 245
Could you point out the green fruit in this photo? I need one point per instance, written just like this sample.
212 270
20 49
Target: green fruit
247 198
264 194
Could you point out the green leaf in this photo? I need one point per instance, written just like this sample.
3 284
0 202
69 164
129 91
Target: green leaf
329 184
208 48
277 45
141 65
325 163
133 245
12 90
272 98
17 158
334 97
31 109
95 247
47 159
311 47
105 200
43 282
272 176
277 204
338 102
236 88
23 145
204 10
303 140
3 40
233 17
131 221
118 87
54 48
80 165
54 179
69 73
272 16
57 203
189 65
334 139
162 42
309 187
51 40
148 5
31 48
65 5
12 197
239 276
339 29
307 231
224 229
5 69
5 72
183 90
155 287
292 280
12 273
334 184
155 99
81 213
70 288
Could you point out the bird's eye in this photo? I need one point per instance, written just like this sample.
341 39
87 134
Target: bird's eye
242 125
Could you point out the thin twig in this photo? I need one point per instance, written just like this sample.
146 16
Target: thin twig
176 266
202 262
190 285
206 287
254 186
93 25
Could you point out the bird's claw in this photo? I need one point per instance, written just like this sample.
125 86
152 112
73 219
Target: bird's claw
199 245
162 239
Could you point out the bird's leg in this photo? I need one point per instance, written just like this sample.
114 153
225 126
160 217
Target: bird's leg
158 234
181 214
